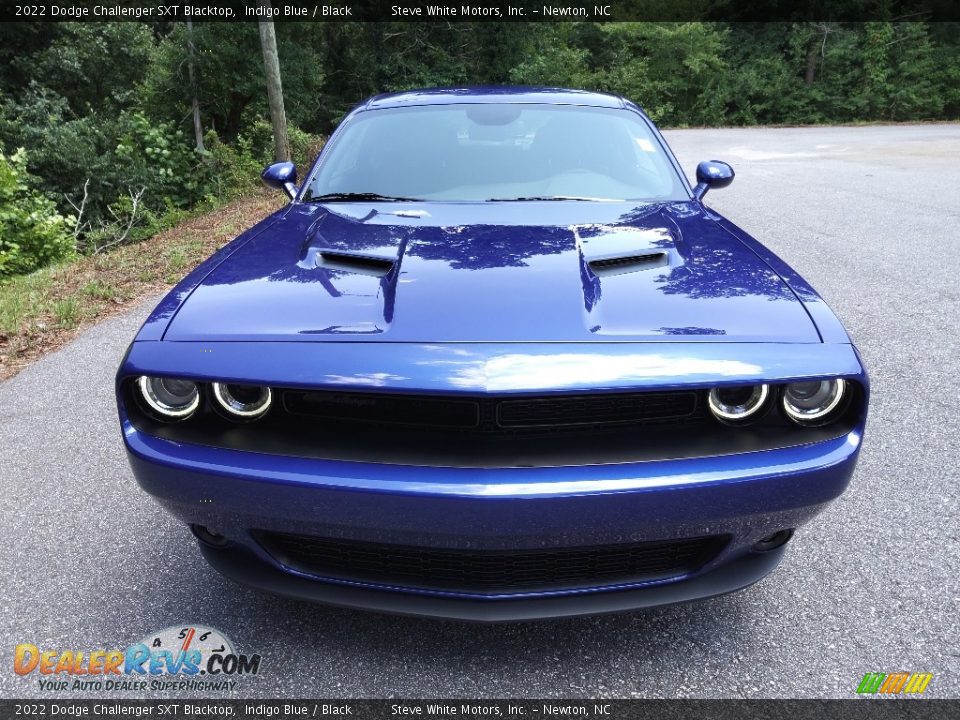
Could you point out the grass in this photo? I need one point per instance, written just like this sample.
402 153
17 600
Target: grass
42 311
100 290
67 312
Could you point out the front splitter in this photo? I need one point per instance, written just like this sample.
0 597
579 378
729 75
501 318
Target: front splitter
244 567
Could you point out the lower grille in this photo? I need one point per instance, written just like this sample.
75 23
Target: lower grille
491 571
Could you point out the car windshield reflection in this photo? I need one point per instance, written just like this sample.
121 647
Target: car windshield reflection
509 152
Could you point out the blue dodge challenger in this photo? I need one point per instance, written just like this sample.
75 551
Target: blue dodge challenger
495 360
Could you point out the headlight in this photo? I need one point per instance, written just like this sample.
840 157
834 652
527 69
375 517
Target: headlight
739 402
169 398
812 402
242 402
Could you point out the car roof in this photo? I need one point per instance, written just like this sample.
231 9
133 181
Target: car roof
449 96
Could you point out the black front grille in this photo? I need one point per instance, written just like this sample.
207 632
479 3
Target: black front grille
491 571
494 414
462 430
601 408
383 409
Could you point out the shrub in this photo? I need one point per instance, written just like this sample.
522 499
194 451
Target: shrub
233 169
153 155
103 157
258 136
32 232
304 148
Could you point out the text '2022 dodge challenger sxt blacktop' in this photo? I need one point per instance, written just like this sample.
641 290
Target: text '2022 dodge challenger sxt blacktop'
495 360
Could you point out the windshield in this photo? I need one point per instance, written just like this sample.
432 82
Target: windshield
496 152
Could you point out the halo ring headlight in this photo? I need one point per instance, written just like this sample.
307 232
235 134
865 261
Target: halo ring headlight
169 398
737 403
813 401
242 402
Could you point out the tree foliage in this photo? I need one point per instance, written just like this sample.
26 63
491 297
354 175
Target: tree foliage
32 232
104 109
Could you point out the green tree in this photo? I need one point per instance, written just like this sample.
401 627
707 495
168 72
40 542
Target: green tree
32 232
95 67
671 69
556 60
229 79
904 75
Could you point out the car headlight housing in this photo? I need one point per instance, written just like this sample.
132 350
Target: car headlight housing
169 399
242 402
814 402
737 403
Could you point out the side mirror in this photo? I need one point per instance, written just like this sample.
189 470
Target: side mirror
712 174
281 176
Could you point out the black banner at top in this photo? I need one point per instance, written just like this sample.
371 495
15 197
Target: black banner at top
156 11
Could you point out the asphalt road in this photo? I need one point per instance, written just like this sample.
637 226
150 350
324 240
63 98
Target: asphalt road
869 215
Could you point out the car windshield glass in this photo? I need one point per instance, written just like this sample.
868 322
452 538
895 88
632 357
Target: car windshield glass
496 152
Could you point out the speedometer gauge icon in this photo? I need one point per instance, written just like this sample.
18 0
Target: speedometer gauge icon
183 638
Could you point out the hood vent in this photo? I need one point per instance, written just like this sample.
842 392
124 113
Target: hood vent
629 263
348 262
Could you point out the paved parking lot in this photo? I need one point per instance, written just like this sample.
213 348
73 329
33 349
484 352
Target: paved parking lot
869 215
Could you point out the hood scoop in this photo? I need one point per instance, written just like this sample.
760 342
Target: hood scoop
620 250
355 263
618 265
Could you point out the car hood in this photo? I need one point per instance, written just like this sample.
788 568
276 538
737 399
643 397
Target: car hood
493 272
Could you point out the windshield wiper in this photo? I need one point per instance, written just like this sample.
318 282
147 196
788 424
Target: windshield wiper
549 197
359 197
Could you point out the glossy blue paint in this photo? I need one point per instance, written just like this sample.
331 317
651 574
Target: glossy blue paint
450 368
529 261
494 94
156 323
746 496
712 175
281 176
661 478
495 298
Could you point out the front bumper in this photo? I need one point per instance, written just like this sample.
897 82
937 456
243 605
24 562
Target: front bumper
245 567
744 496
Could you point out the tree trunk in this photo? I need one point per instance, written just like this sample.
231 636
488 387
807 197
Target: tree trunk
271 62
812 61
194 101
